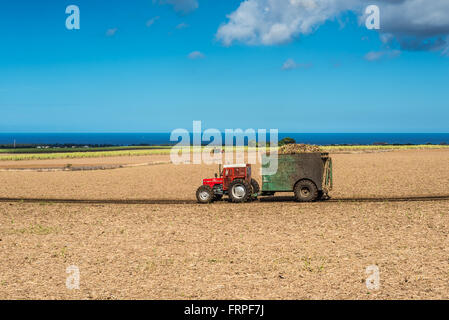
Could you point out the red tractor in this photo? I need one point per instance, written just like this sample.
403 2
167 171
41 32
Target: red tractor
234 181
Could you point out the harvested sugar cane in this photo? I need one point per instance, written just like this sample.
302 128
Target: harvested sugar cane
298 148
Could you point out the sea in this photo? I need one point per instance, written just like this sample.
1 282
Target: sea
128 139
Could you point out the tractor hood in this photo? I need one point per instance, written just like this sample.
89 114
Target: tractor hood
213 181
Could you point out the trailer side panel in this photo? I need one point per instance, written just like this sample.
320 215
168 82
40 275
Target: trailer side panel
291 169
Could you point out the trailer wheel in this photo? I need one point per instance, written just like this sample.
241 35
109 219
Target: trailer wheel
204 194
239 191
306 191
255 186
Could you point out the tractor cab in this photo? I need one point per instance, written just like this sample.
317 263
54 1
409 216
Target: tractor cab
235 181
237 171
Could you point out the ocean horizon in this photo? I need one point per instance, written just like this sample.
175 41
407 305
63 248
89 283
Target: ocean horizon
127 139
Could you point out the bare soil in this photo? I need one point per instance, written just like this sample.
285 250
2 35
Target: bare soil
87 162
259 250
386 174
224 251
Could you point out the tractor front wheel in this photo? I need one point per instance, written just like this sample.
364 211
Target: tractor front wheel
239 191
204 194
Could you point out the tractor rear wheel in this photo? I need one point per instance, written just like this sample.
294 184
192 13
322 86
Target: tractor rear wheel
204 194
239 191
306 191
255 186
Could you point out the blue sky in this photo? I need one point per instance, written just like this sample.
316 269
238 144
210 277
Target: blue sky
122 73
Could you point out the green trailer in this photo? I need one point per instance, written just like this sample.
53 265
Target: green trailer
308 175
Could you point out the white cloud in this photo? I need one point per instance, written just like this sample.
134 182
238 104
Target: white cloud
182 26
446 51
196 55
291 64
270 22
411 24
377 55
111 32
182 6
152 21
414 17
416 25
